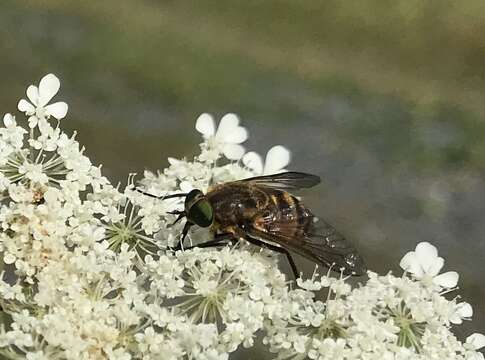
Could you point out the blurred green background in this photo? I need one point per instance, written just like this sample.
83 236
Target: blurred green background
383 99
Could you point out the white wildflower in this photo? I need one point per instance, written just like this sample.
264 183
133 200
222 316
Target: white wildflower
462 311
425 264
37 109
277 158
226 139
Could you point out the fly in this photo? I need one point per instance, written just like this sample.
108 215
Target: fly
262 211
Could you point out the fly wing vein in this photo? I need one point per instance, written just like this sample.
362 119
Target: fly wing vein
319 242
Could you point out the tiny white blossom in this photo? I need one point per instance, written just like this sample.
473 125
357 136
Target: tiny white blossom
9 258
476 340
277 158
33 172
424 263
463 311
227 138
37 109
11 133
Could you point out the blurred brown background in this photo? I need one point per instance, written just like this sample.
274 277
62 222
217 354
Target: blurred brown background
383 99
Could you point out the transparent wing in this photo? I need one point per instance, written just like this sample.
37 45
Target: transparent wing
290 180
317 241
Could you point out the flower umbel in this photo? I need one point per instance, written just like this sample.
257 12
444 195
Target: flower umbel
90 271
126 225
410 330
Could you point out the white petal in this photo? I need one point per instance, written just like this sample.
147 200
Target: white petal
233 151
33 94
426 255
410 263
25 107
253 161
8 120
229 130
456 319
49 86
447 280
435 266
57 110
228 124
464 309
33 121
173 161
276 159
205 125
476 340
426 248
237 136
9 258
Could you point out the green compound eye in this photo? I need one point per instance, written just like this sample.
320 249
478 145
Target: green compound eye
192 197
201 213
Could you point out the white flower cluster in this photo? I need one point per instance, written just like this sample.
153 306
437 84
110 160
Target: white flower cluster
89 271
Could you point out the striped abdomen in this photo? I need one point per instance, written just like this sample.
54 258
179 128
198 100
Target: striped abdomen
284 214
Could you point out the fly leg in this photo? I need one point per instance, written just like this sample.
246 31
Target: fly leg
278 249
218 240
185 231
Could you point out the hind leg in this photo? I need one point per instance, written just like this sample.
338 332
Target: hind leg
278 250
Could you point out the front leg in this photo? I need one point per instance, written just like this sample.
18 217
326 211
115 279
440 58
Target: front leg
218 240
185 231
